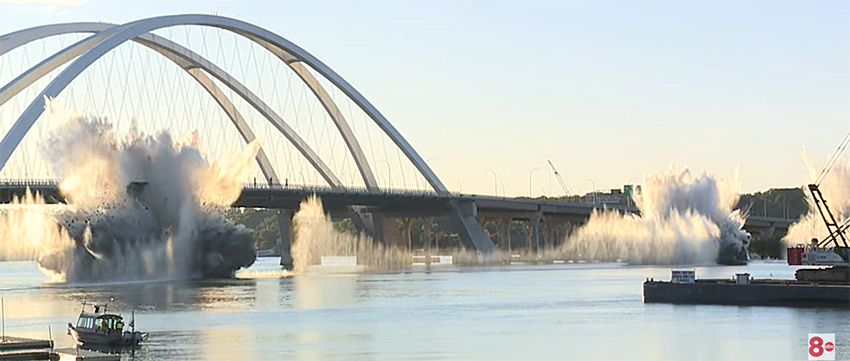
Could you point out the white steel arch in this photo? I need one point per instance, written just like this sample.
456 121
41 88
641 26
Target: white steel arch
160 45
192 63
165 47
109 39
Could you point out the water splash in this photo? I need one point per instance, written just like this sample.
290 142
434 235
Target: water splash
684 220
315 237
33 225
146 207
836 190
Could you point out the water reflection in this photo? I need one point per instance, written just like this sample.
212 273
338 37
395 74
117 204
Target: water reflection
530 312
324 291
226 295
229 343
172 296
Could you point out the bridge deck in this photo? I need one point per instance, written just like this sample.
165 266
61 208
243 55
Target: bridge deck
390 200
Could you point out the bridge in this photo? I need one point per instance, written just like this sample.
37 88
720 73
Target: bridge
394 203
247 106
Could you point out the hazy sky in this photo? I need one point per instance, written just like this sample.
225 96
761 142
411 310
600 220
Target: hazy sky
608 90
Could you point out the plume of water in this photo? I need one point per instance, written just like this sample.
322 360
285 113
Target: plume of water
33 224
835 188
683 220
145 207
315 237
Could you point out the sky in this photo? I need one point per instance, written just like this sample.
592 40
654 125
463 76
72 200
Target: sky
609 91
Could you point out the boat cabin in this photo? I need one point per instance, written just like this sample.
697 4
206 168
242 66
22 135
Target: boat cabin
94 322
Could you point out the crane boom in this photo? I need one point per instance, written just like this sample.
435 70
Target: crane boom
819 253
836 231
560 180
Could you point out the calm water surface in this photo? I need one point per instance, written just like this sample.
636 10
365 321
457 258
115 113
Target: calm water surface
558 312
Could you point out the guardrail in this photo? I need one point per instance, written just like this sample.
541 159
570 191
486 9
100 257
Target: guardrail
338 191
294 187
325 189
382 191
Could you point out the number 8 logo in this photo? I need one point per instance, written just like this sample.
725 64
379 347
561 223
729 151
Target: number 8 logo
815 348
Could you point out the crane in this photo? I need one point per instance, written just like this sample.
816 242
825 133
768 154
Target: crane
560 180
833 250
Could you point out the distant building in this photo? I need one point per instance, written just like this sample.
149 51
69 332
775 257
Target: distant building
630 189
614 196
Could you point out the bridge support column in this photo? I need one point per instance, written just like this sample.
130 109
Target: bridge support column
369 222
393 233
505 237
428 222
535 227
551 233
284 221
471 233
560 230
378 227
361 219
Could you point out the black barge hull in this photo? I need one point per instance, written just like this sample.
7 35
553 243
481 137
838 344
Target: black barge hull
761 293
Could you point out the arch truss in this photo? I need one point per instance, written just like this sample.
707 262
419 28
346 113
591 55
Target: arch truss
106 37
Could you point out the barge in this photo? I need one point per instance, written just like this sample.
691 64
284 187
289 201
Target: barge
683 288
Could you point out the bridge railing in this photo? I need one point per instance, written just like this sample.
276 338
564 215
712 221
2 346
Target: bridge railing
347 190
314 189
28 182
296 187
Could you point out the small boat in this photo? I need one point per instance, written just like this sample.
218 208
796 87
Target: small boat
104 329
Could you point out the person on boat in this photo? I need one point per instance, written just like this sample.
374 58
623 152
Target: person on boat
119 325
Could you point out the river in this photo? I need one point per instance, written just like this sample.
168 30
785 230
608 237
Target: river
518 312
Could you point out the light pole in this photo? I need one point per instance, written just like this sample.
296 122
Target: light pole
495 182
504 194
389 173
460 186
428 162
594 189
530 174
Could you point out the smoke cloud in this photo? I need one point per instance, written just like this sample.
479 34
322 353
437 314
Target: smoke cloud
683 220
146 207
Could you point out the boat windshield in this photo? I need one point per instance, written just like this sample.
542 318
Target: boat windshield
110 322
85 322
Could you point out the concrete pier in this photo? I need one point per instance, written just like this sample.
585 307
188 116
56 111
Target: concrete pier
19 348
11 343
76 354
284 219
